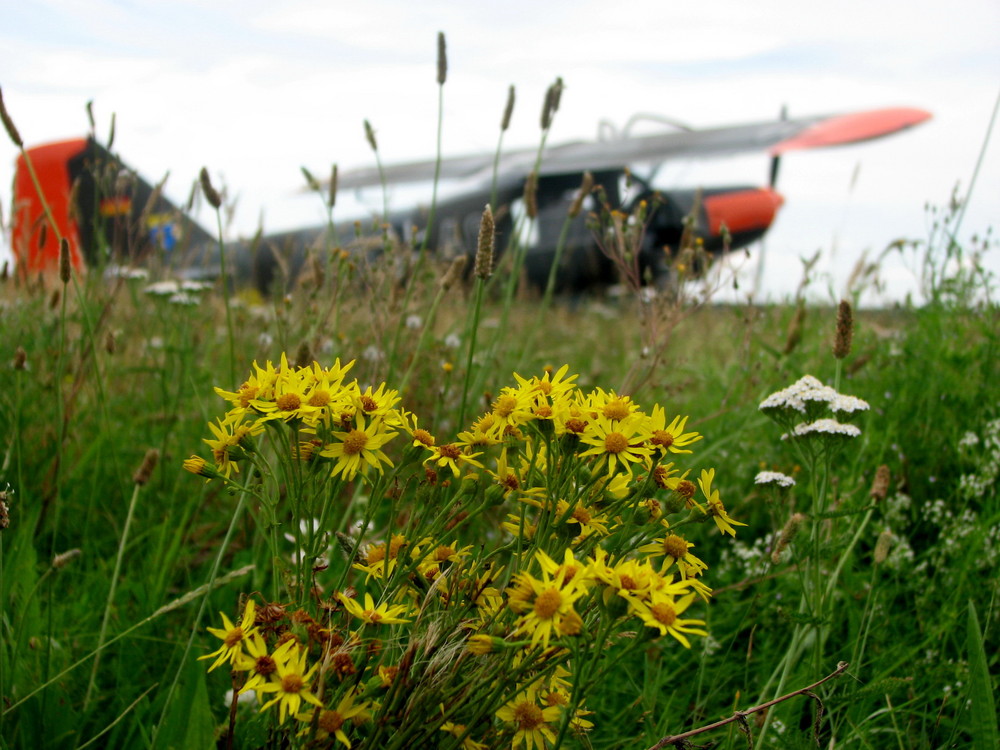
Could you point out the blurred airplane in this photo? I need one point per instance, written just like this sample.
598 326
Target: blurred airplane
109 214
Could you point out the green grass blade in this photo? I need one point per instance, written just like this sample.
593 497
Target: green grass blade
984 713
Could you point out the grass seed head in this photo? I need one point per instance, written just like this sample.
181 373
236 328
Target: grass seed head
508 110
880 485
145 470
845 330
882 546
484 250
370 136
454 272
442 67
211 194
8 124
795 329
585 187
65 266
531 195
65 558
787 535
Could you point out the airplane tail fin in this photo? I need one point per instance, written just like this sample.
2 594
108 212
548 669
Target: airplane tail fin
105 211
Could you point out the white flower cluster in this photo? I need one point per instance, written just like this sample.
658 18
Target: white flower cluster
810 410
823 427
775 478
808 390
126 272
983 480
178 292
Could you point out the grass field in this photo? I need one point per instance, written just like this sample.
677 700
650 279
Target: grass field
484 560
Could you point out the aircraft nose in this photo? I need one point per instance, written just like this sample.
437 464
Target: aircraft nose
745 210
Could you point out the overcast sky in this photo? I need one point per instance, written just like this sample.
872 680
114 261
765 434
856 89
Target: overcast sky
254 89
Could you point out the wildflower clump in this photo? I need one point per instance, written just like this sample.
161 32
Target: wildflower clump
472 585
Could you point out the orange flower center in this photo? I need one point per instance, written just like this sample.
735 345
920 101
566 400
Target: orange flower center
615 443
686 489
233 637
451 451
616 408
423 436
288 402
291 683
355 442
368 404
505 405
628 582
547 603
511 482
675 547
581 515
528 716
575 426
330 721
662 438
265 665
664 613
320 398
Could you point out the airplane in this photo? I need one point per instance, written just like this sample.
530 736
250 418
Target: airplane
111 215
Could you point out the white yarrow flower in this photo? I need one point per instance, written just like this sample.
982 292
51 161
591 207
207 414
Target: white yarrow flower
825 427
775 478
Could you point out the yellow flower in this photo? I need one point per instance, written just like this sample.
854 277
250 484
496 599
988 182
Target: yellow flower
360 447
480 644
291 682
457 730
511 409
290 397
715 507
258 662
531 722
383 614
198 465
331 721
232 440
617 442
610 405
547 605
260 385
581 520
452 456
670 437
232 637
662 612
675 549
376 403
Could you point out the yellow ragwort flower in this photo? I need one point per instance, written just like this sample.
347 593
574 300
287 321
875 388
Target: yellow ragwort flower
383 614
232 637
291 683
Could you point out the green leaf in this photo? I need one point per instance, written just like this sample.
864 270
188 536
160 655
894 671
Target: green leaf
189 722
984 713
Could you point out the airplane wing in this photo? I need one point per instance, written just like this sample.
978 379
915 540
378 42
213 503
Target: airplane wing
775 137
